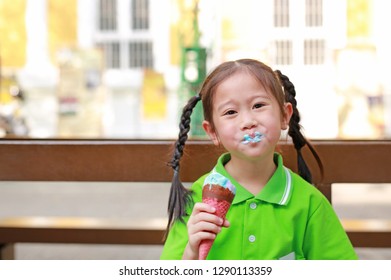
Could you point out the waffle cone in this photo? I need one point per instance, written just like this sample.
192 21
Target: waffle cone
220 198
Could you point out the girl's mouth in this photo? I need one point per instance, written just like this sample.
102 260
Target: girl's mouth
253 138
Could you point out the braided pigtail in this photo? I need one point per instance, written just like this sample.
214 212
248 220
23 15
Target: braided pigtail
294 131
179 196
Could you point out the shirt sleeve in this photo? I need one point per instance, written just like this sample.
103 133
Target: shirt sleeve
178 237
325 238
176 242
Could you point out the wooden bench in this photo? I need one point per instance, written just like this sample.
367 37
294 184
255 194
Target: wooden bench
145 161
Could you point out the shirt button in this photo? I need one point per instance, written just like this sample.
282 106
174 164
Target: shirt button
253 205
251 238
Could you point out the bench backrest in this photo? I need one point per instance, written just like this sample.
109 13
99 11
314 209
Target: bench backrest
146 161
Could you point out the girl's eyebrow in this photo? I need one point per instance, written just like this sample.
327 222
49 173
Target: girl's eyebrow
232 102
224 104
261 96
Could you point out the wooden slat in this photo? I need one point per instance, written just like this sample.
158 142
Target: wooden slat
7 251
350 161
82 235
370 239
82 230
363 233
52 160
374 233
110 160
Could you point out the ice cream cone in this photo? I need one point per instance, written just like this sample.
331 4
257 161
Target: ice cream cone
218 192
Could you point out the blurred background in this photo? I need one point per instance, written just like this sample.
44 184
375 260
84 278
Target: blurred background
124 69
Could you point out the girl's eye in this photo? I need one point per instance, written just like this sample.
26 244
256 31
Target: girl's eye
258 105
230 112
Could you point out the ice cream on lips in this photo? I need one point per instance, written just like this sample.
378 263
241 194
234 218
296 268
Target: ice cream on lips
253 138
219 192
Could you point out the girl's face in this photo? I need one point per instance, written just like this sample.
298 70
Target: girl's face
242 106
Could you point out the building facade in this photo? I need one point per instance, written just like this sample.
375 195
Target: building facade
317 43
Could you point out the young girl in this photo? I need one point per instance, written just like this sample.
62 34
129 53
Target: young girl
276 214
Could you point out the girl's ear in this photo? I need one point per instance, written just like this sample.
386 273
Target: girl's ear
288 111
211 132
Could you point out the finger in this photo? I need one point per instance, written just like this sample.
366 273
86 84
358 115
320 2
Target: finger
207 217
204 227
196 239
204 212
203 207
206 235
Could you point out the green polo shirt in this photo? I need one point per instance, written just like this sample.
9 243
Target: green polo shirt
288 219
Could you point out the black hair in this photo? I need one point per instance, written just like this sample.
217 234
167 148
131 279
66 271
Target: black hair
294 131
180 196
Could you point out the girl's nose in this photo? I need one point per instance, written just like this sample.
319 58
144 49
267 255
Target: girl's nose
248 122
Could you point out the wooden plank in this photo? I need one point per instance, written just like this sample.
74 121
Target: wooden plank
362 232
349 161
82 230
7 251
82 235
51 160
132 161
370 239
374 233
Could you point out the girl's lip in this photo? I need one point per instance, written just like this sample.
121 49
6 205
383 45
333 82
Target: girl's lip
253 137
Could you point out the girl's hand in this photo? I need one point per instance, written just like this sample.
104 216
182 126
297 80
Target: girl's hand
202 224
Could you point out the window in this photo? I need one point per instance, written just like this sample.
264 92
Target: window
112 54
313 13
281 13
108 18
314 51
129 42
140 14
283 55
140 55
302 40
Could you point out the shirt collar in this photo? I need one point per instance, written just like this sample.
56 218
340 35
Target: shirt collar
277 190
